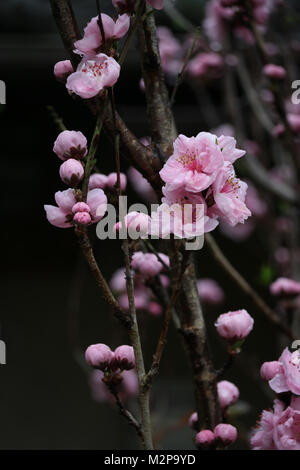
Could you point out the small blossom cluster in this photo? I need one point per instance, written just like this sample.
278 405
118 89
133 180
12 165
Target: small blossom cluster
100 356
223 435
71 147
200 188
279 429
145 266
235 15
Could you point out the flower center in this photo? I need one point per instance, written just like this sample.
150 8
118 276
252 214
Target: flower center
94 69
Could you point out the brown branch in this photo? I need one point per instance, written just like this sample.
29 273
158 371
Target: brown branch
245 286
158 108
108 296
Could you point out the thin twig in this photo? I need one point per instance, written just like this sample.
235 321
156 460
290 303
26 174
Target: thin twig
56 118
245 286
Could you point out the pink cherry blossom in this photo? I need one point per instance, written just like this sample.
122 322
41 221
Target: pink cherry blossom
205 438
62 216
278 429
80 207
227 144
124 357
288 377
194 163
234 326
63 69
225 433
229 195
92 40
97 180
228 393
210 292
136 223
274 71
285 287
92 75
71 172
70 144
206 64
99 356
269 369
112 180
82 218
118 280
147 265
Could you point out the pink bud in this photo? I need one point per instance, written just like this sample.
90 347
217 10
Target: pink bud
285 287
82 218
269 369
99 356
70 144
97 180
193 420
80 207
205 438
234 326
225 433
274 71
63 69
71 172
124 357
228 393
155 309
112 180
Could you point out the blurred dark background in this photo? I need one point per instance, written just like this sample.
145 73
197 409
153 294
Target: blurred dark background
50 307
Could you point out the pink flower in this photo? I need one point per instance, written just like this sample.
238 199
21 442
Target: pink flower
285 287
194 163
206 64
97 180
158 4
225 433
127 388
147 265
71 172
112 180
63 69
193 420
136 223
234 326
278 429
141 299
92 39
288 377
124 357
70 144
229 195
210 292
205 438
92 75
62 216
269 369
274 71
80 207
99 356
227 144
118 281
228 393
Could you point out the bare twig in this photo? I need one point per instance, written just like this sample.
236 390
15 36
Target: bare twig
56 118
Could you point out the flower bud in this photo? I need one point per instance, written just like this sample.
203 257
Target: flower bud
80 207
205 438
70 144
112 180
99 356
193 421
97 180
124 357
228 393
63 69
225 433
234 326
82 218
269 369
71 172
284 287
274 71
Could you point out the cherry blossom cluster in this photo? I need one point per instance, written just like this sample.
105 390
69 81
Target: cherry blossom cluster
235 15
71 210
279 429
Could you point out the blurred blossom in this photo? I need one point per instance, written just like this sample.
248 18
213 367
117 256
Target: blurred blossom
206 65
210 292
141 185
127 389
